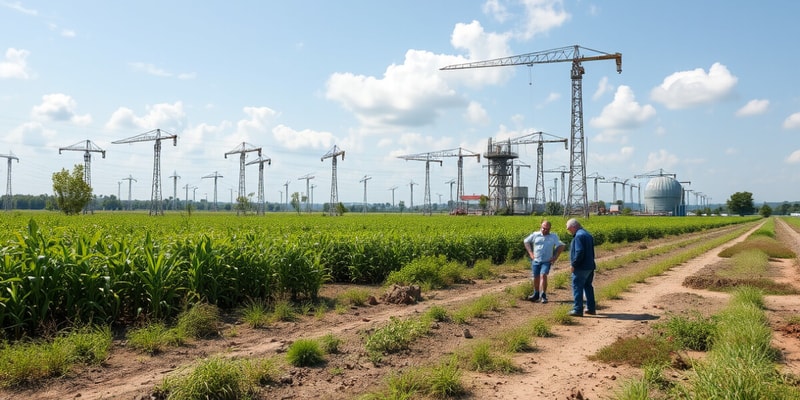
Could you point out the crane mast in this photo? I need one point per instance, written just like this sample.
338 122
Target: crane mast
460 153
242 150
7 199
260 161
577 200
427 157
87 147
539 138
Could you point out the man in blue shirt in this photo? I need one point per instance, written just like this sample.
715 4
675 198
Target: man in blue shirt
581 261
543 248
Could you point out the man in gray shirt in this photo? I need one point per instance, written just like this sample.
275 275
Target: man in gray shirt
543 248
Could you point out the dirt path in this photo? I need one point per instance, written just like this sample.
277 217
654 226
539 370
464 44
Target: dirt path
558 368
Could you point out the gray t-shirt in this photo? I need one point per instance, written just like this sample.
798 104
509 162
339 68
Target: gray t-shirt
543 245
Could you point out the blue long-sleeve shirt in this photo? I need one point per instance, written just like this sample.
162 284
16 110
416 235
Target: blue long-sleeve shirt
581 251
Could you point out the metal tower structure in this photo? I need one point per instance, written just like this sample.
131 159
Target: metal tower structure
563 170
500 155
393 188
333 153
596 176
260 161
87 147
187 187
215 176
519 193
130 184
175 178
411 185
242 150
286 185
157 135
307 177
8 197
365 179
460 153
427 157
577 201
451 204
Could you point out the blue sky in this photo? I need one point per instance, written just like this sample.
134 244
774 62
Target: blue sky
708 92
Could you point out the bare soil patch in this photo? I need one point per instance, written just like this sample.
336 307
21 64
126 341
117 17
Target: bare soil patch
557 369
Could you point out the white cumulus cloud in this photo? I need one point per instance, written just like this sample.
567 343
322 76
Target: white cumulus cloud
169 117
59 107
794 158
623 114
686 89
792 121
753 107
661 159
15 64
304 139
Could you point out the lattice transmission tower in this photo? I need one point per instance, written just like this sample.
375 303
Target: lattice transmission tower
427 157
8 197
242 150
260 161
333 154
307 178
175 178
157 135
215 176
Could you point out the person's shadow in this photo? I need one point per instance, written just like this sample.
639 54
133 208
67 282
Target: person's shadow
624 316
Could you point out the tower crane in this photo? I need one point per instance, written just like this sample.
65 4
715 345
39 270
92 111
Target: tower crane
539 138
308 178
87 147
242 150
427 157
577 201
8 198
157 135
260 161
460 153
333 153
214 176
563 170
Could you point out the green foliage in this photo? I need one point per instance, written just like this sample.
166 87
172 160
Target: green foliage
693 333
433 272
213 378
305 353
330 343
154 337
199 321
636 351
437 313
482 359
741 203
357 297
397 335
765 211
283 311
256 314
72 192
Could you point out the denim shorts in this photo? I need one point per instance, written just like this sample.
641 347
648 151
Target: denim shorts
540 268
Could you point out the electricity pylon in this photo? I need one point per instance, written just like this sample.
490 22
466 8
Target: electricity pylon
130 183
365 179
333 153
307 177
87 147
242 149
427 157
175 178
260 161
157 135
216 176
8 198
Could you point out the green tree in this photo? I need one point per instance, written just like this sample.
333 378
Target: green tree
741 203
553 208
401 205
483 203
295 202
765 210
72 193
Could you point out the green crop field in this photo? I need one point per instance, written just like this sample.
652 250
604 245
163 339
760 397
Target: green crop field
118 268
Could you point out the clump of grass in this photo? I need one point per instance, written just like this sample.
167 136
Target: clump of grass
440 381
693 333
521 291
516 341
356 297
747 264
437 313
305 353
430 272
559 280
560 315
482 359
539 327
767 244
283 310
219 378
477 308
330 343
482 269
27 363
199 321
153 338
394 337
256 314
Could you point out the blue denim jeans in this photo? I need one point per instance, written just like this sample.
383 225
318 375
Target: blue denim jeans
582 285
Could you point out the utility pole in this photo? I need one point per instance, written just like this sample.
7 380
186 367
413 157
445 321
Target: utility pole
451 182
175 178
286 185
411 185
186 187
365 179
215 176
427 157
130 180
393 188
242 150
307 177
333 153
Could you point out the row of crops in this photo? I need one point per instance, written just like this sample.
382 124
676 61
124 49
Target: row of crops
119 268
